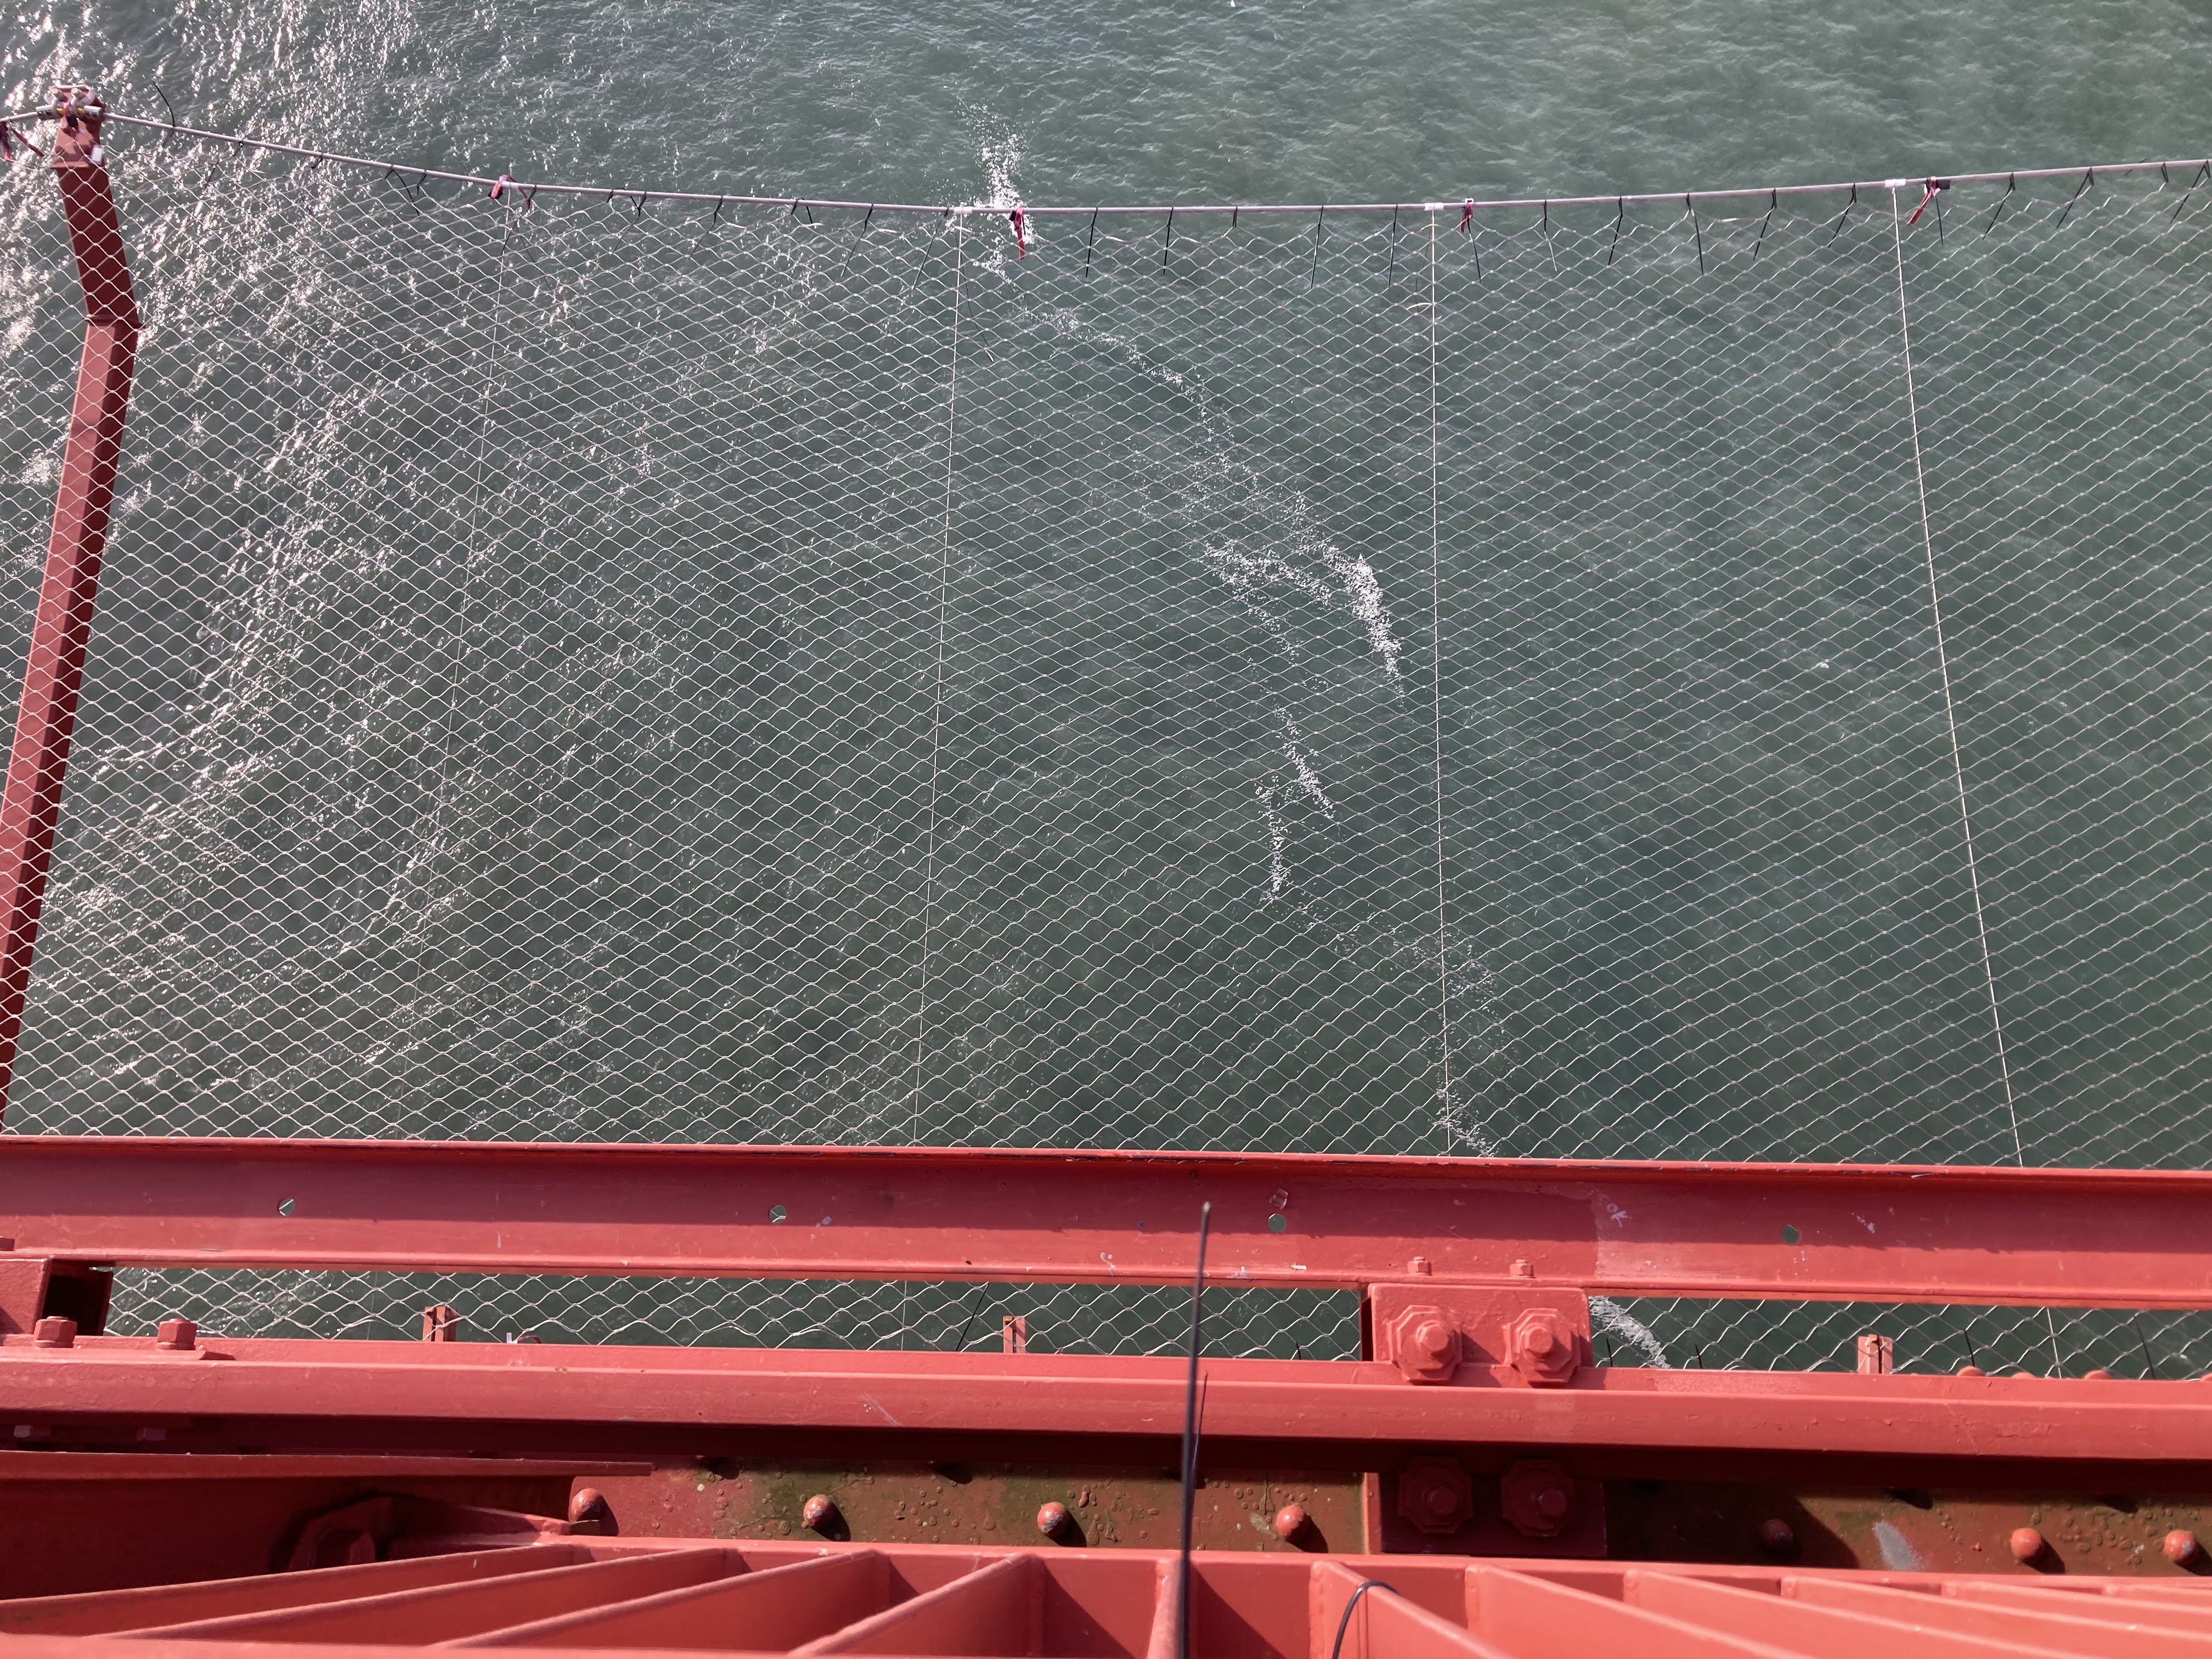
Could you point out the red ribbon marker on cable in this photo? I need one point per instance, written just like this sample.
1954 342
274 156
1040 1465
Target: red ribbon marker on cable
1020 221
1466 215
1934 184
499 186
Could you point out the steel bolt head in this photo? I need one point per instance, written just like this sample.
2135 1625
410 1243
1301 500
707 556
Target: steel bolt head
1777 1537
820 1513
54 1332
179 1334
2026 1543
1052 1518
1538 1498
1426 1345
1435 1495
2099 1375
2180 1547
1544 1348
1290 1520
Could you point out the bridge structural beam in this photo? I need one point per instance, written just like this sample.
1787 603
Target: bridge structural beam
46 718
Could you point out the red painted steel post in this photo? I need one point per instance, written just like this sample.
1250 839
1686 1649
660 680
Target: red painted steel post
46 720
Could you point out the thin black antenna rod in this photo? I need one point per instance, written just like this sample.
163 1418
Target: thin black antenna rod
1190 1442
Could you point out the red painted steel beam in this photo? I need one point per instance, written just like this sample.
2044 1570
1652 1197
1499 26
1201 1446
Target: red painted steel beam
2118 1238
46 718
305 1391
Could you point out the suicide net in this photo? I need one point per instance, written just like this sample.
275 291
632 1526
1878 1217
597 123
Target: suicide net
1718 679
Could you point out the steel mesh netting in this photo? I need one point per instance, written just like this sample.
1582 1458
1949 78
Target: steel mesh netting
612 668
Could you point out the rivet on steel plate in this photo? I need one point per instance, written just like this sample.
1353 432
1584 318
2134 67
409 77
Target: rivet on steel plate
820 1513
1052 1518
1777 1537
2027 1544
1290 1521
2180 1547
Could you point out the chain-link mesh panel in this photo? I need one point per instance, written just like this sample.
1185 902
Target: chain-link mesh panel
1136 1319
609 668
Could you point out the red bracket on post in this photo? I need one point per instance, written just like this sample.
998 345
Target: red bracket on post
46 720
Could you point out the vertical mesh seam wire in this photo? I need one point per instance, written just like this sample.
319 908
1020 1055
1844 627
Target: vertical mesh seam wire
1447 1115
1950 706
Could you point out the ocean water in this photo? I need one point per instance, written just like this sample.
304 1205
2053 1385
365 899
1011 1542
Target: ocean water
583 673
1189 101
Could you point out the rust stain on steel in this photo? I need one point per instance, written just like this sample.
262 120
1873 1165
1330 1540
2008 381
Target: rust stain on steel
915 1502
1903 1529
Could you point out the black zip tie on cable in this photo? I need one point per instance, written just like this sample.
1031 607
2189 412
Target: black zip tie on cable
1844 214
2203 172
1336 1648
2011 184
1313 275
1390 281
2088 179
717 219
643 198
1773 201
1089 237
1167 240
1697 231
1550 252
1619 215
1190 1439
1973 1358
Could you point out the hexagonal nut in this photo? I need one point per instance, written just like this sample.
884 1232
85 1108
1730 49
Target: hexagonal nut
1544 1345
1435 1495
1425 1344
1537 1497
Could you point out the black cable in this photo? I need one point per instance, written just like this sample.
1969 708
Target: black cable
1336 1648
2149 1362
1190 1439
974 1307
